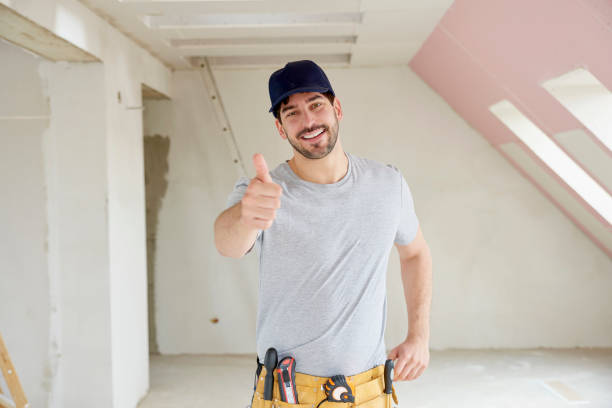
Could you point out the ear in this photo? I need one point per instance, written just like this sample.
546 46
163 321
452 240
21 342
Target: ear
280 129
338 108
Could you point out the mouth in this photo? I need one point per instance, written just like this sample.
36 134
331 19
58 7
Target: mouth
313 136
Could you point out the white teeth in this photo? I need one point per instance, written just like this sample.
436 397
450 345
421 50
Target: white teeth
314 135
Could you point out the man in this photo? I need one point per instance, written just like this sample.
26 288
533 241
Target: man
324 223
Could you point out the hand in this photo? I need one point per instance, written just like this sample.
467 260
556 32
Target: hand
261 198
412 359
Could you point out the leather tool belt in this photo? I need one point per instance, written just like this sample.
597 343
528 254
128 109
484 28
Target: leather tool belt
368 389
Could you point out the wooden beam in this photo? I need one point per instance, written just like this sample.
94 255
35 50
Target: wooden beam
27 34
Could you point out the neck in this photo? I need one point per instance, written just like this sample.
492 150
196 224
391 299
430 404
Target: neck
328 170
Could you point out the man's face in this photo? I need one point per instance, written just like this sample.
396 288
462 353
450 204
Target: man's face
310 114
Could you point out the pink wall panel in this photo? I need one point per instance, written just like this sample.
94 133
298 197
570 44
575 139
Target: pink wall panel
483 51
602 10
446 62
525 42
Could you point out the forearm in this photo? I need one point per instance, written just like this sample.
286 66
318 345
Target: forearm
232 238
417 280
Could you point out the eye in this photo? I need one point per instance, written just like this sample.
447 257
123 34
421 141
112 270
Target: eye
290 113
316 105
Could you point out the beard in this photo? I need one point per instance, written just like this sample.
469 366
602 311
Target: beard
319 149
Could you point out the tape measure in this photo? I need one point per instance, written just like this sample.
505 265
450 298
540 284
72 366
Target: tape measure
337 389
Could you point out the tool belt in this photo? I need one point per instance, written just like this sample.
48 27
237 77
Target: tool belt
368 389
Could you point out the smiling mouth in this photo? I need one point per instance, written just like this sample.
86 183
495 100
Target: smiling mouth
314 135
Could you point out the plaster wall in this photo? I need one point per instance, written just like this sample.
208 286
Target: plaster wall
55 269
76 180
510 270
116 161
126 226
24 279
194 284
156 149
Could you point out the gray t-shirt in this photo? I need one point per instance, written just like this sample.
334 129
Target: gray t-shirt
323 263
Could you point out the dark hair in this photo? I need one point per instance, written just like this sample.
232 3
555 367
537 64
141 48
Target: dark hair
276 111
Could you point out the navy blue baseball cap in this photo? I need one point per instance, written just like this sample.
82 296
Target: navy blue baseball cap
297 76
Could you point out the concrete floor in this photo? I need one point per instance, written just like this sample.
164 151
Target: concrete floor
539 378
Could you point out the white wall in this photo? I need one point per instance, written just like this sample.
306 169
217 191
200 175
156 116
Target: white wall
193 283
124 73
24 280
510 270
114 365
74 148
55 270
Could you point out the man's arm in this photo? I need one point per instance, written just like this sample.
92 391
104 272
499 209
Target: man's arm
236 228
412 355
416 266
232 237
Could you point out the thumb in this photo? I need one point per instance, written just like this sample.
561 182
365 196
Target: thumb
392 355
261 168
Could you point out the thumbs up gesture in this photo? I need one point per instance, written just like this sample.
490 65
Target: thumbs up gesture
261 199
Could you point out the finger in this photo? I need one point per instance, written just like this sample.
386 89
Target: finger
259 223
398 369
269 189
405 370
420 372
261 168
268 202
411 375
262 202
265 214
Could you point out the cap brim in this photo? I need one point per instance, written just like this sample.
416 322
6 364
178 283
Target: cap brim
297 90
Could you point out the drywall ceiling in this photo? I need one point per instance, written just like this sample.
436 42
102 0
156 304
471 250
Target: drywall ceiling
265 32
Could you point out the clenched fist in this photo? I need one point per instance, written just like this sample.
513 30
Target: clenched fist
261 199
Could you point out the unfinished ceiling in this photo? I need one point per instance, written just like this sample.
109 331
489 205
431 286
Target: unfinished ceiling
268 32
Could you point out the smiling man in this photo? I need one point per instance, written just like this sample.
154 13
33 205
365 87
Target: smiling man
324 223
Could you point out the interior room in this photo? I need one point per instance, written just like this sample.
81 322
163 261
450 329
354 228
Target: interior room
127 126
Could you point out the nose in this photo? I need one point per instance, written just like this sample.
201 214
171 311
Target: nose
309 119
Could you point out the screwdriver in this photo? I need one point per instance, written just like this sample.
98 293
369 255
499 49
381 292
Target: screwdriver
269 362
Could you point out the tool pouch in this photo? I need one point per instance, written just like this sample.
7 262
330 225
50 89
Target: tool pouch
368 388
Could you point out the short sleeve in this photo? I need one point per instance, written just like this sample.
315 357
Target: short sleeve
235 196
408 222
